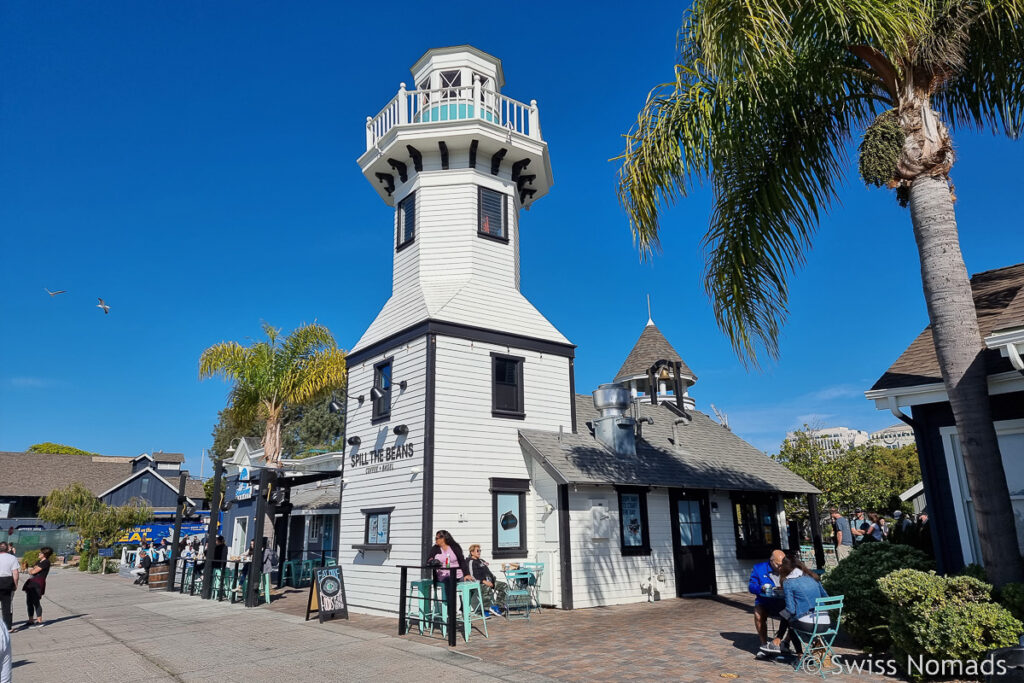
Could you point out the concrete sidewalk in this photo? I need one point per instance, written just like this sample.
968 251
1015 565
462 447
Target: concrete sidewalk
102 628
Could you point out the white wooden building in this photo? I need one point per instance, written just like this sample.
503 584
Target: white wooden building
462 410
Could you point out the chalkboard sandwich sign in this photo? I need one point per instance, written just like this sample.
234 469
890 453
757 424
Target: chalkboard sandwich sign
327 594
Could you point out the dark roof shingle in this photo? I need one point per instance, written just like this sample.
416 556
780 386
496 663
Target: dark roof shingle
998 301
37 474
650 348
708 456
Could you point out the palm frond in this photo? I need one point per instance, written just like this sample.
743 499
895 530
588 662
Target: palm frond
226 359
988 91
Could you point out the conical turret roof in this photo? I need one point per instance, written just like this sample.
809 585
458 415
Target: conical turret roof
650 348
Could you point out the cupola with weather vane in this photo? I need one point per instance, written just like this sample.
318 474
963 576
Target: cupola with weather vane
654 370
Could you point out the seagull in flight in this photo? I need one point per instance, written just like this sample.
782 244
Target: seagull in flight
59 291
102 304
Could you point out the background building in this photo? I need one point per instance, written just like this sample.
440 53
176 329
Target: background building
835 440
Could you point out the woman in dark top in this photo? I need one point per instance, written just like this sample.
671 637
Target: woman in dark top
875 530
447 553
35 588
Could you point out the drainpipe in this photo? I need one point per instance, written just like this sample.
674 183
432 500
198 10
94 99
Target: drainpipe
899 414
675 429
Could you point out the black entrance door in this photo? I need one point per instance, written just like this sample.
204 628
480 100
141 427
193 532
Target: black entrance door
691 543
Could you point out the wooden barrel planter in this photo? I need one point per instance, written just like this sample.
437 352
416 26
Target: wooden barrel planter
158 572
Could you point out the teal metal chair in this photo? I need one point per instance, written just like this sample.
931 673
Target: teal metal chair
519 595
464 590
817 643
306 572
290 572
537 569
422 608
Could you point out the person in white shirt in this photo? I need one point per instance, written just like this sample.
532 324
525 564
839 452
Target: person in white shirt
8 583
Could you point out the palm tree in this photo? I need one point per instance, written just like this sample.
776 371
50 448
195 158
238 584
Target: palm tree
768 97
269 375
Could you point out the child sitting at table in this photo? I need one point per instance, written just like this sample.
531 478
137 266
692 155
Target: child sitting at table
489 586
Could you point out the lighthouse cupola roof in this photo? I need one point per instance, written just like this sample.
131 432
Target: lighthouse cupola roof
459 62
654 357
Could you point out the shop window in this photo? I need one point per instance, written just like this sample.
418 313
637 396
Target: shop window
507 386
145 485
492 215
756 524
377 529
381 392
633 527
406 221
316 528
508 515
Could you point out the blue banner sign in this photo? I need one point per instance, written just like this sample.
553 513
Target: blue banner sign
158 532
106 552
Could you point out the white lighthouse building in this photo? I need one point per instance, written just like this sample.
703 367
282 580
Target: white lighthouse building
458 360
462 410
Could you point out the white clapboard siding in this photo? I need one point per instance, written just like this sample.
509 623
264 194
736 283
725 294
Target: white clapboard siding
449 273
731 573
471 446
371 578
601 575
545 542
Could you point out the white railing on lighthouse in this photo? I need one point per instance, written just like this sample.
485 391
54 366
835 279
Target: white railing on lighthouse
453 104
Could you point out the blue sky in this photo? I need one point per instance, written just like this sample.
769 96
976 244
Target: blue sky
193 163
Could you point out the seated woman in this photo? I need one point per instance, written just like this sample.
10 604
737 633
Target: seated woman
802 588
489 586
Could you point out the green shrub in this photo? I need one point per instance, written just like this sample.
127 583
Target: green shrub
1011 596
29 559
95 563
974 570
112 566
865 610
940 618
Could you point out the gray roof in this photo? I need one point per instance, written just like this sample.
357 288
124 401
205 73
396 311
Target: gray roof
650 348
160 456
709 455
314 498
999 304
37 474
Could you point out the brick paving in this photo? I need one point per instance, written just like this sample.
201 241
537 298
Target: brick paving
701 639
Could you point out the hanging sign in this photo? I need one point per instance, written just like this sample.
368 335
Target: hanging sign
244 489
327 594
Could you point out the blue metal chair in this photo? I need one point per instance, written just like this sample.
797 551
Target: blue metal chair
817 643
537 569
518 596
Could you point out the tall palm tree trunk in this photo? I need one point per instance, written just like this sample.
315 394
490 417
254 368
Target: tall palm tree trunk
959 347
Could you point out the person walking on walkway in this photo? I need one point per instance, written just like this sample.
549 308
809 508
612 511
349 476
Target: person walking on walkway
35 588
8 583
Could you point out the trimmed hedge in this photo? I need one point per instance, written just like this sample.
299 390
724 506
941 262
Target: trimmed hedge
29 559
941 618
865 610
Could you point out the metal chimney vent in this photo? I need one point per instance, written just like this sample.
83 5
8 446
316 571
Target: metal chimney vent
614 429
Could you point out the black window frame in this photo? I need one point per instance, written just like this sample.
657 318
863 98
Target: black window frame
746 550
380 415
519 414
367 513
518 487
645 531
401 244
503 238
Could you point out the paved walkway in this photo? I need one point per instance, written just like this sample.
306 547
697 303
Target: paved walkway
102 628
704 639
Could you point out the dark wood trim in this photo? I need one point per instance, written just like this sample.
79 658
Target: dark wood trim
399 167
518 167
523 549
472 153
444 154
572 392
496 160
520 414
375 511
480 215
564 545
366 525
385 547
427 530
417 158
507 485
460 331
645 529
493 238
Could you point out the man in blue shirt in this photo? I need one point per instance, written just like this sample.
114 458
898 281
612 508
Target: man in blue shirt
766 574
844 534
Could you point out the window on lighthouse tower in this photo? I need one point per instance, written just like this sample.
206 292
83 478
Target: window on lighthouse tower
406 221
492 215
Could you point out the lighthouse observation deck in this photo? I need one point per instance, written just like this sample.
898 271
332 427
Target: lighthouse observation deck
456 104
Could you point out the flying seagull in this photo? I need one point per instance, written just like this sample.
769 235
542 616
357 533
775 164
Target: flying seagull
104 306
59 291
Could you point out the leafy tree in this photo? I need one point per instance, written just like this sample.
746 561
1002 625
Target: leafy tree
870 477
56 448
269 376
98 524
767 98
